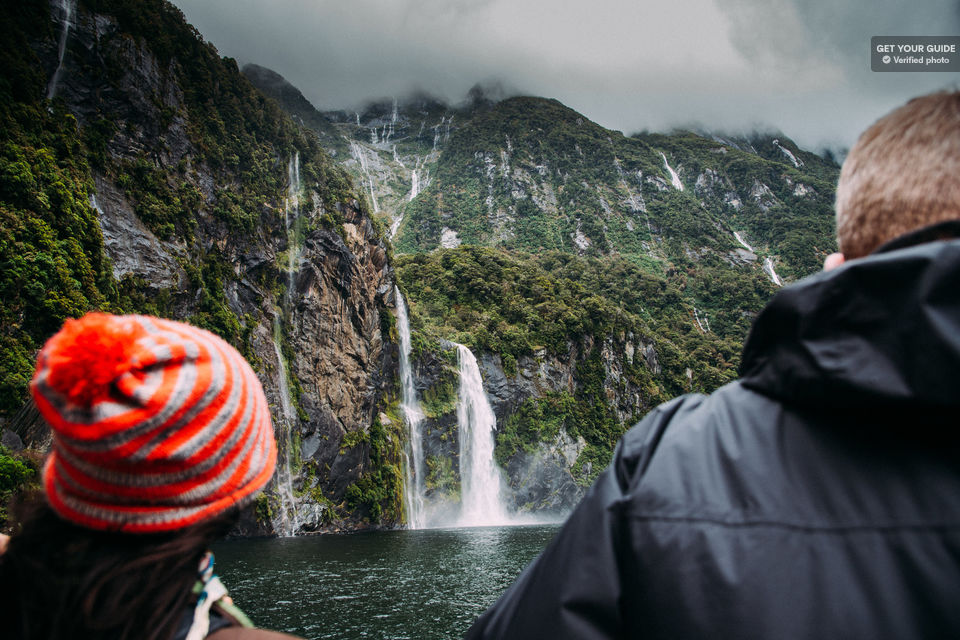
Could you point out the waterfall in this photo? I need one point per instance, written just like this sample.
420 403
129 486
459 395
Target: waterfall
357 152
414 185
288 522
768 269
701 322
414 487
767 262
796 162
674 178
292 205
436 132
480 479
395 226
67 7
414 190
293 181
743 242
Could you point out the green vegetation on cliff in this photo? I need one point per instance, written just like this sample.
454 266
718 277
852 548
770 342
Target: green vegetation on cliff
19 474
532 175
572 237
516 304
379 489
557 304
52 261
54 264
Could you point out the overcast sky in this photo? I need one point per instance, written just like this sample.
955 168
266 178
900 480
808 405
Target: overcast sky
800 66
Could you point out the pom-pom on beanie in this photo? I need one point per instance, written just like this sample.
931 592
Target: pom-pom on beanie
156 424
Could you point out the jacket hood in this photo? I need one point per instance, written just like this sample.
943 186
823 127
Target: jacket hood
880 331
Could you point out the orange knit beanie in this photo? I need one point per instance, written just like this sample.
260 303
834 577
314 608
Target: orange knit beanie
156 424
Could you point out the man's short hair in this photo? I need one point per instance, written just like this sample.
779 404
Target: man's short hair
902 174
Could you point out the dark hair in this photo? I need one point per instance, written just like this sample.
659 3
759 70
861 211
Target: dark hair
60 580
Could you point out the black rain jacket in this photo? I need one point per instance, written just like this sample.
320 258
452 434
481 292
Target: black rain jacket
816 497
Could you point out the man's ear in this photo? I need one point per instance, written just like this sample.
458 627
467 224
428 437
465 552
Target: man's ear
833 261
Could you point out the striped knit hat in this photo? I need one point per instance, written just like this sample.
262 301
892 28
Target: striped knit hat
156 424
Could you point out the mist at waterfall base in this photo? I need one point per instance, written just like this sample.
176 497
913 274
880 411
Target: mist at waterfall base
386 584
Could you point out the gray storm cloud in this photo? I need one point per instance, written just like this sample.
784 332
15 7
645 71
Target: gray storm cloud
801 66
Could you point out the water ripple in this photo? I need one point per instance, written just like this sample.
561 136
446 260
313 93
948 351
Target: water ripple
390 584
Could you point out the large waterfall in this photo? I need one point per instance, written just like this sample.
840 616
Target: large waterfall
67 9
481 483
480 480
413 472
287 522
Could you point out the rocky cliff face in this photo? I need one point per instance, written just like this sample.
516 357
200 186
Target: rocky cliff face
541 373
204 219
344 363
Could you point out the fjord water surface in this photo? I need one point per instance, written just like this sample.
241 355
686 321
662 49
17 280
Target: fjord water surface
429 583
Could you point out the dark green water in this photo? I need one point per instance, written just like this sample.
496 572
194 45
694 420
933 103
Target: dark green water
391 584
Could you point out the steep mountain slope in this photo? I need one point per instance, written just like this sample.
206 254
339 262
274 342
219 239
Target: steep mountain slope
294 103
141 172
531 174
390 146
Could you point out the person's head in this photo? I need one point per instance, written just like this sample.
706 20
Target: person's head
901 175
157 425
161 433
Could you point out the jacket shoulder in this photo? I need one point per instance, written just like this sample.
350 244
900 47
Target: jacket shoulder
638 445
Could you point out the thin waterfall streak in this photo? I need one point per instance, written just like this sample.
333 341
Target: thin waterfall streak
414 486
674 178
67 9
288 522
771 273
